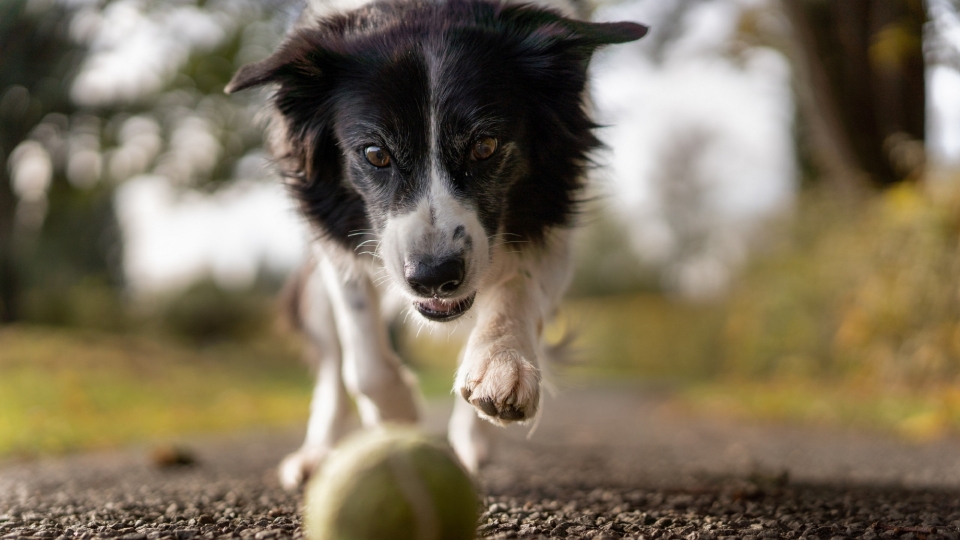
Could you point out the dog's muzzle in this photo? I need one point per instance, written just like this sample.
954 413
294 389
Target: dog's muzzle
438 281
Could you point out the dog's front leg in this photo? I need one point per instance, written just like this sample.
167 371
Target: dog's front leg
371 370
499 373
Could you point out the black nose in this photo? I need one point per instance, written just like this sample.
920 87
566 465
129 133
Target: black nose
434 278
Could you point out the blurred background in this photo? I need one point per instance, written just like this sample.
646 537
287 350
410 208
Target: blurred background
775 233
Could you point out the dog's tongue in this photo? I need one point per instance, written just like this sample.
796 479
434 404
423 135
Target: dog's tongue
436 305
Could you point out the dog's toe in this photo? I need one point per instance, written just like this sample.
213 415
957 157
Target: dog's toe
503 386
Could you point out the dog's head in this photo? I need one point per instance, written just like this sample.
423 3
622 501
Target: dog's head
432 133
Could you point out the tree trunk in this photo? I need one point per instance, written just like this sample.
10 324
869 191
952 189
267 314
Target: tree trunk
863 70
9 284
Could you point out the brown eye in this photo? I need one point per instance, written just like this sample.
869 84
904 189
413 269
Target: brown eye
484 148
378 157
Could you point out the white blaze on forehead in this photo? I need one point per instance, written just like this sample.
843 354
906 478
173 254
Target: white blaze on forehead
430 230
447 212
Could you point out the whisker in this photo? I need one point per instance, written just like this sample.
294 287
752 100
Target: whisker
365 242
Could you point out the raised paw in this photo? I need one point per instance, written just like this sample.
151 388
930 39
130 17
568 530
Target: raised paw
299 466
502 385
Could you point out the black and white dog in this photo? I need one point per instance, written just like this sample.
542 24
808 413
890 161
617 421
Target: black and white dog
439 149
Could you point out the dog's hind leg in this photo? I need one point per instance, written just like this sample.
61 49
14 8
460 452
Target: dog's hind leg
330 406
372 372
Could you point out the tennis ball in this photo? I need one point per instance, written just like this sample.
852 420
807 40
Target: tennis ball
391 483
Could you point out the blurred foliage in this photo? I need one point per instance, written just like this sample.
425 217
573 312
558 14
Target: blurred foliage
78 116
37 63
89 304
867 291
205 313
606 262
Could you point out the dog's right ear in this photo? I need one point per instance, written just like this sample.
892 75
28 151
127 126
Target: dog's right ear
255 74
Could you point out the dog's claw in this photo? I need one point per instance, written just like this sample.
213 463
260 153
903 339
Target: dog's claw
466 393
511 414
487 406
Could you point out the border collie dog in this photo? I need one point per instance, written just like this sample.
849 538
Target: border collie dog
438 149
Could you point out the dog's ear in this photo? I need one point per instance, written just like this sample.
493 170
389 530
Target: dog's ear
255 74
548 27
598 34
299 56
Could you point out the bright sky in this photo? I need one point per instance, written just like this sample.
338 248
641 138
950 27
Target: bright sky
173 238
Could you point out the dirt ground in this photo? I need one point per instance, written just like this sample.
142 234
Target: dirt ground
603 463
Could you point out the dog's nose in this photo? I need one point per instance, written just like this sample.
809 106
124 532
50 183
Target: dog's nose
441 278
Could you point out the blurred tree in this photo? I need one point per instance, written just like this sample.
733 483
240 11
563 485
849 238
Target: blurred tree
859 71
862 66
37 63
77 118
687 208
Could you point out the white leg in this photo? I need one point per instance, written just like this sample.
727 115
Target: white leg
372 372
330 406
499 374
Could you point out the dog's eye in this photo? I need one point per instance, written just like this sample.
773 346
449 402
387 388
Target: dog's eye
484 148
377 156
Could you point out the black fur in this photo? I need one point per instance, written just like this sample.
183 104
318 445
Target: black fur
371 77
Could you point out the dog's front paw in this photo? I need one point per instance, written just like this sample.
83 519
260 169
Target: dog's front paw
502 384
299 466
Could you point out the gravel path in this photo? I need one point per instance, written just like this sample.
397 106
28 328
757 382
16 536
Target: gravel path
611 463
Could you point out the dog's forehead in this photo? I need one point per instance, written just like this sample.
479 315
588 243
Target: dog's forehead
410 84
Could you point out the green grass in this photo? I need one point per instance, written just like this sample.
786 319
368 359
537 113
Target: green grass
63 391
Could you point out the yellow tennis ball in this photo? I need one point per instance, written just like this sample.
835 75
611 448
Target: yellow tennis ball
391 483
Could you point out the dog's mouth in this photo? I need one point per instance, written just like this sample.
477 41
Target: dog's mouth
442 310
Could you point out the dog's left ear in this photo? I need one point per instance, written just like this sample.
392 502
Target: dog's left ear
547 27
599 34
